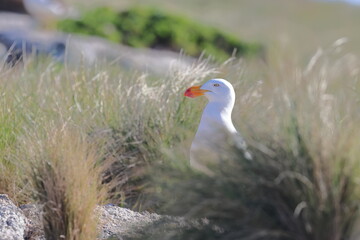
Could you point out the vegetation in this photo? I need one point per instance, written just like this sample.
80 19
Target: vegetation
147 27
280 196
299 25
66 129
65 178
304 175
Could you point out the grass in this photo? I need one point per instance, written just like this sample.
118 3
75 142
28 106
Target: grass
66 129
9 126
303 181
122 115
65 178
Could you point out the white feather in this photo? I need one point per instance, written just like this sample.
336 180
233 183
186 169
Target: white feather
216 128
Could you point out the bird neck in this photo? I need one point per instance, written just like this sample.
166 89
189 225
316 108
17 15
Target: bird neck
218 112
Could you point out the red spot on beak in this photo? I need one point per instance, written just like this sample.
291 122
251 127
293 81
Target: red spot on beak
195 91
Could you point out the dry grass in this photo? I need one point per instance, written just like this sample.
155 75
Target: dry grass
130 117
10 176
155 117
65 179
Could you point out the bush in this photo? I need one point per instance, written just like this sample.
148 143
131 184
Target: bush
145 27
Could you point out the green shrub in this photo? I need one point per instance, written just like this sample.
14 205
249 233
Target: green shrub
144 27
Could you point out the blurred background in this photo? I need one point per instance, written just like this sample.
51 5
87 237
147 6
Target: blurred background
299 26
303 25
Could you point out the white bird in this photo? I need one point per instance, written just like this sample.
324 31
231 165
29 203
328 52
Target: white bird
216 128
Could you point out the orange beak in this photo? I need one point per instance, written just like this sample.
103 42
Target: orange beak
195 92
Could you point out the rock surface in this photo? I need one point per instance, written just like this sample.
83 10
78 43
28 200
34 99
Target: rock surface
19 37
115 222
122 223
13 223
35 230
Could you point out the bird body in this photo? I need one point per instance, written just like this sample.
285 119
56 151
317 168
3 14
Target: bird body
216 130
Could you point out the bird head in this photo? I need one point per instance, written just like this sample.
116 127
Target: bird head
215 90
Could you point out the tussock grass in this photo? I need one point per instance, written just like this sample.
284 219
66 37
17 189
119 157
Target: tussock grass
65 178
130 116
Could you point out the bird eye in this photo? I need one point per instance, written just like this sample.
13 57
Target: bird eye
216 85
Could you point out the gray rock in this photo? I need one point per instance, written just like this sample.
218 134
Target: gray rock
20 43
11 21
120 223
92 50
35 229
13 223
20 38
114 222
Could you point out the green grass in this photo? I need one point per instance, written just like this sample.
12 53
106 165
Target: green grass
10 123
